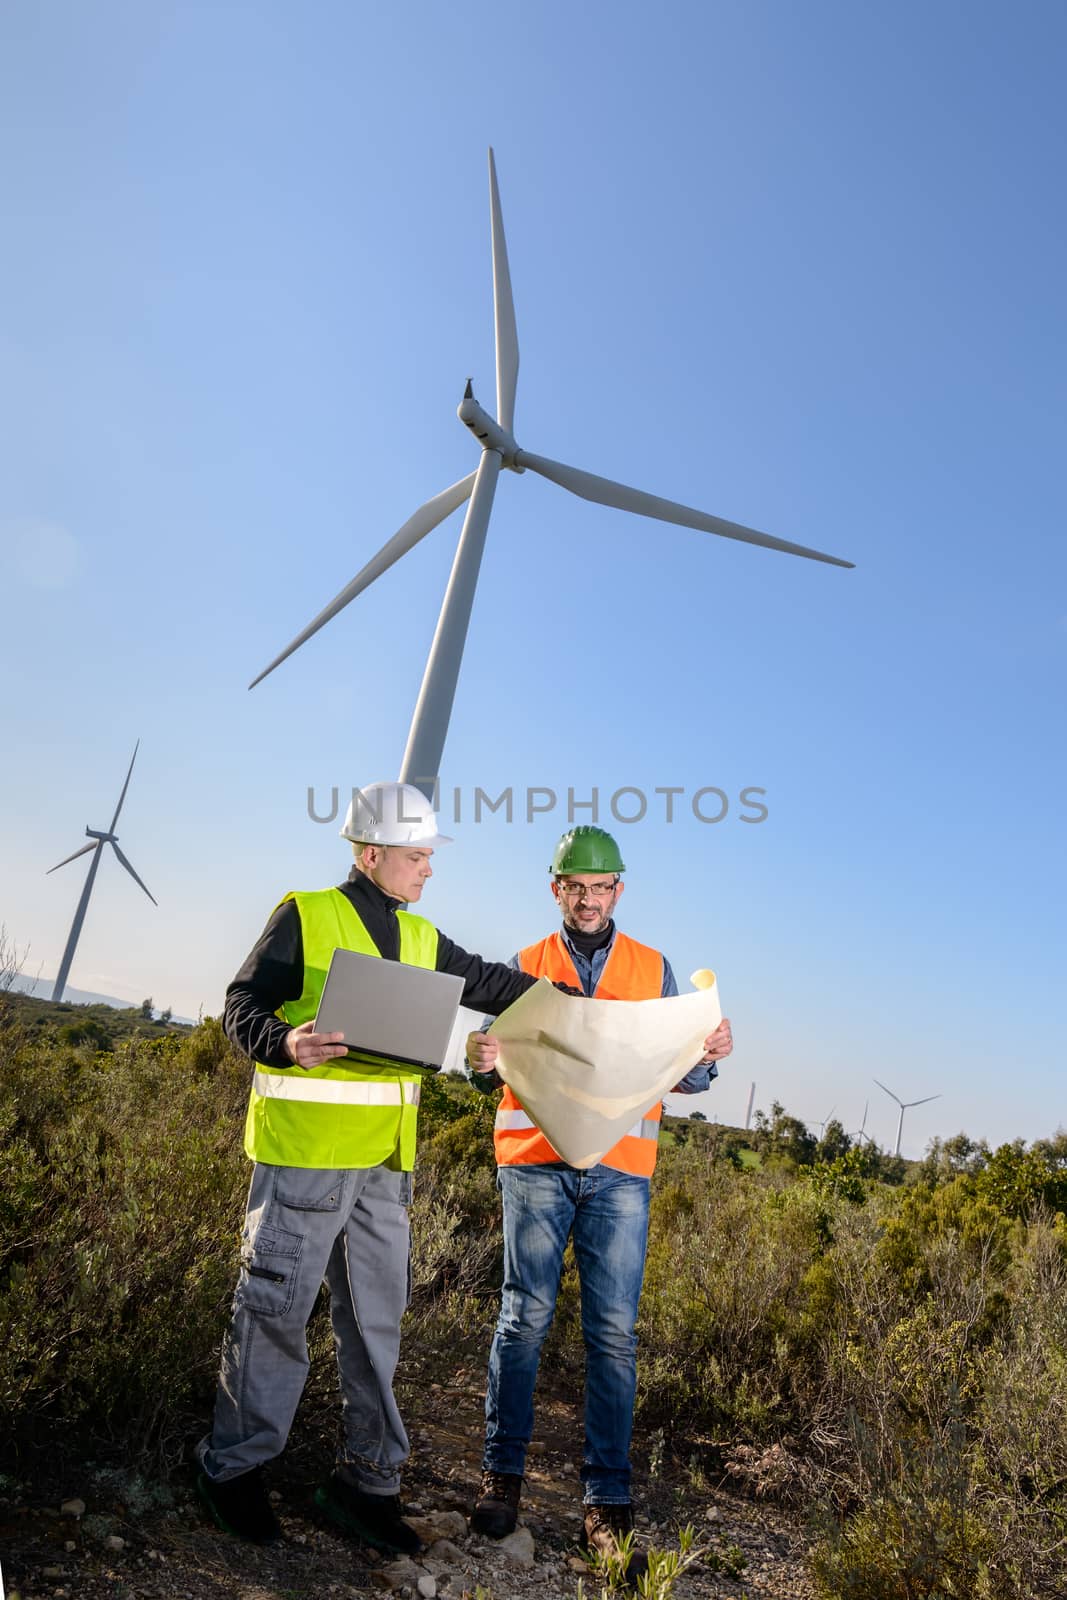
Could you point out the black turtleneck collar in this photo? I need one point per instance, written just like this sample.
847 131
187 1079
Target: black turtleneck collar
586 943
366 886
377 911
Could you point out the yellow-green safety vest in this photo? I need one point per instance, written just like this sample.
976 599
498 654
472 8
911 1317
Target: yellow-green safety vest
334 1115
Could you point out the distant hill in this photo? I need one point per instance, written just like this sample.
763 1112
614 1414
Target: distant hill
101 1025
41 989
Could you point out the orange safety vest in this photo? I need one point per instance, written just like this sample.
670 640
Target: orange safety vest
632 972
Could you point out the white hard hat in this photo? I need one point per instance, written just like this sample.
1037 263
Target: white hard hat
392 813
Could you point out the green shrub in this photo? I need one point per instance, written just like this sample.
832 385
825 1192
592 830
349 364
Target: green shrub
897 1356
944 1354
724 1284
120 1197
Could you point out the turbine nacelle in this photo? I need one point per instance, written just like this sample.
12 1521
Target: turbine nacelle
488 432
92 833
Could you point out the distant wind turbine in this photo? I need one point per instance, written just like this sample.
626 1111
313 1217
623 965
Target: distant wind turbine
97 847
426 739
905 1105
861 1131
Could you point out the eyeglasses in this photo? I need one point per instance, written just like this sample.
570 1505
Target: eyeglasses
590 891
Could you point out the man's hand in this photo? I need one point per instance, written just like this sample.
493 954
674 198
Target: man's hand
718 1045
483 1051
306 1048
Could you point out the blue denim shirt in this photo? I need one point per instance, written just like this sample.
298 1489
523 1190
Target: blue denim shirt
589 971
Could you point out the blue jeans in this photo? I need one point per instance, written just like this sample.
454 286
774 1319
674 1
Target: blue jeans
606 1214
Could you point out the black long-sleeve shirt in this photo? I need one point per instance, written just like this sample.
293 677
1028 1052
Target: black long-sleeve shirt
274 971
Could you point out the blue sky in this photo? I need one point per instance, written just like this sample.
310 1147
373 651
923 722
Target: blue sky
798 266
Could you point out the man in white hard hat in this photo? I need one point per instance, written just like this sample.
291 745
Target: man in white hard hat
333 1148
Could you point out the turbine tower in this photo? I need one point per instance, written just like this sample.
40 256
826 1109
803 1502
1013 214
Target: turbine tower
905 1105
97 847
426 739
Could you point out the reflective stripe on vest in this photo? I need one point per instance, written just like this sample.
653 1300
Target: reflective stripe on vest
286 1086
648 1128
336 1115
632 972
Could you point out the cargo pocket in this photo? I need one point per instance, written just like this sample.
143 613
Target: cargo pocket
269 1265
308 1189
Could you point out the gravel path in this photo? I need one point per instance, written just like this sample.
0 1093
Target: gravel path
125 1540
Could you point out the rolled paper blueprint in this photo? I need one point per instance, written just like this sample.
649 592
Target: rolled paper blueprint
586 1071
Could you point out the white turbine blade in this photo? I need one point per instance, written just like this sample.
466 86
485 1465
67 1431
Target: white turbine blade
909 1103
125 786
84 851
889 1092
608 493
507 338
415 528
133 874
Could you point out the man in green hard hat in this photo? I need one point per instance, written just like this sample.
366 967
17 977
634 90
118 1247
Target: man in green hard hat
603 1209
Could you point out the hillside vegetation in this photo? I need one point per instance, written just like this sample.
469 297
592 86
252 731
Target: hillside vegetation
886 1348
99 1025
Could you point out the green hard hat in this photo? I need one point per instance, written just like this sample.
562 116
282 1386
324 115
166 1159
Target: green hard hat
587 849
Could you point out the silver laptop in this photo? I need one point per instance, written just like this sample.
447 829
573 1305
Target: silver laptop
388 1011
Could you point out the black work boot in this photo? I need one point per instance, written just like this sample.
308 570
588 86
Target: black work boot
497 1510
604 1526
374 1518
240 1505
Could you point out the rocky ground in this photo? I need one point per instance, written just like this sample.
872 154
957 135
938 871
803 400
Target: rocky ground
104 1534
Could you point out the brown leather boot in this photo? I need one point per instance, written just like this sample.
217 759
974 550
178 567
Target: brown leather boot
603 1528
497 1510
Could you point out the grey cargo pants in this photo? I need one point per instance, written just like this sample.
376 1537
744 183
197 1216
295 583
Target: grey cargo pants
302 1225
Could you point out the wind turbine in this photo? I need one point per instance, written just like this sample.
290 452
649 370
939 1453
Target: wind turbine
426 738
97 847
822 1125
905 1105
861 1131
